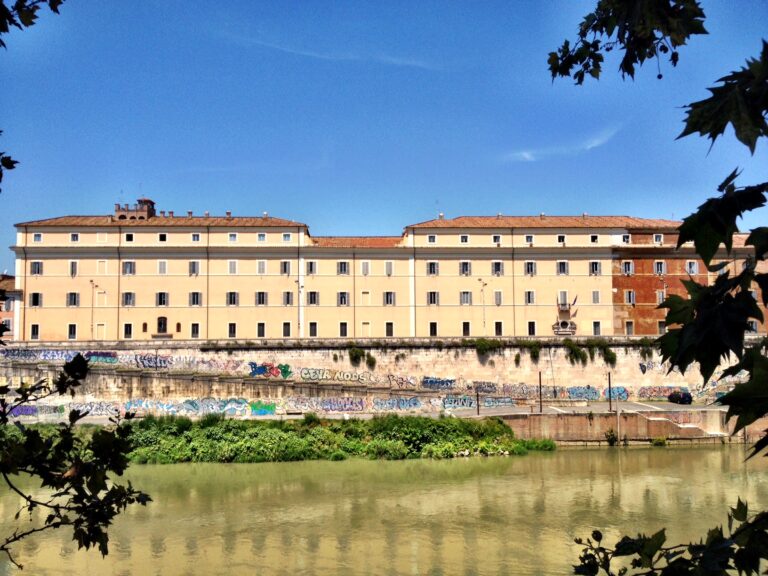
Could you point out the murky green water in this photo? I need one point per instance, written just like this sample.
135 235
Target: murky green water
477 516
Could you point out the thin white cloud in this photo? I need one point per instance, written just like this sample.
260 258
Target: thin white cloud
534 155
383 59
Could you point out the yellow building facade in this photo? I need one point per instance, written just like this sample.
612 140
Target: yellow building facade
138 274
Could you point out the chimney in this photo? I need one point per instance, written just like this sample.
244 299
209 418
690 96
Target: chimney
440 216
162 212
117 207
498 215
207 214
584 215
542 215
170 213
189 213
229 213
265 214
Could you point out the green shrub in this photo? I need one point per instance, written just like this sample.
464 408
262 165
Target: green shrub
311 419
209 420
517 359
483 346
574 352
370 361
611 437
386 449
439 450
356 355
661 441
338 456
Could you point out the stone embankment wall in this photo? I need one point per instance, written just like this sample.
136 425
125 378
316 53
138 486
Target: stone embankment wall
187 378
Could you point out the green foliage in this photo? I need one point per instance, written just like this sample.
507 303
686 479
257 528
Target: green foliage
157 440
659 442
646 348
517 359
73 465
370 361
611 437
642 30
574 353
484 346
356 355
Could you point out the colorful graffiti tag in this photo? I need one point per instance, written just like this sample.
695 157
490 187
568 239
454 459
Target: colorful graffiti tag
269 370
432 383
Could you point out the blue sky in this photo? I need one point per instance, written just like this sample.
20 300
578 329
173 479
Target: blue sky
353 117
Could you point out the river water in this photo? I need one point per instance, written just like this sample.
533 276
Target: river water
515 515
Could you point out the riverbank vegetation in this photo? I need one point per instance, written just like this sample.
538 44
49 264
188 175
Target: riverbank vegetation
167 440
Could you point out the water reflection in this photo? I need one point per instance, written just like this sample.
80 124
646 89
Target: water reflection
479 516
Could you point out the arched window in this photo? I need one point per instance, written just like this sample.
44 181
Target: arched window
121 217
162 324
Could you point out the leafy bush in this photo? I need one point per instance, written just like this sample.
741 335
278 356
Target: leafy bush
356 355
386 449
370 361
611 437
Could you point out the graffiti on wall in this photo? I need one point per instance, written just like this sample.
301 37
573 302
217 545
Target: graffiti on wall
432 383
453 402
498 402
658 392
396 381
617 393
336 404
320 374
270 370
583 393
396 404
484 387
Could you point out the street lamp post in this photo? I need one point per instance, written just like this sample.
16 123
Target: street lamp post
482 297
93 298
299 288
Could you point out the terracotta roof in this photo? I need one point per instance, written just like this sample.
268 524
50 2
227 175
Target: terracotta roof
586 221
166 221
357 241
7 282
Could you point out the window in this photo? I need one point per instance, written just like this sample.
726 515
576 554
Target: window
74 237
73 299
35 299
261 237
261 298
129 236
496 239
286 329
34 332
464 239
261 329
593 238
659 267
661 327
233 298
127 331
389 329
388 267
465 298
232 330
285 267
72 331
692 267
144 327
129 268
626 238
8 304
433 298
73 268
431 239
389 298
311 268
531 328
232 267
751 325
660 296
287 298
195 238
162 237
161 299
629 296
562 268
658 238
36 268
433 328
365 268
342 268
313 329
594 268
561 238
37 237
194 267
162 267
342 329
596 328
465 329
627 267
129 299
313 298
233 236
497 268
595 296
629 328
194 330
498 329
529 239
433 268
465 268
286 237
195 298
261 267
342 299
530 268
562 298
162 325
530 297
